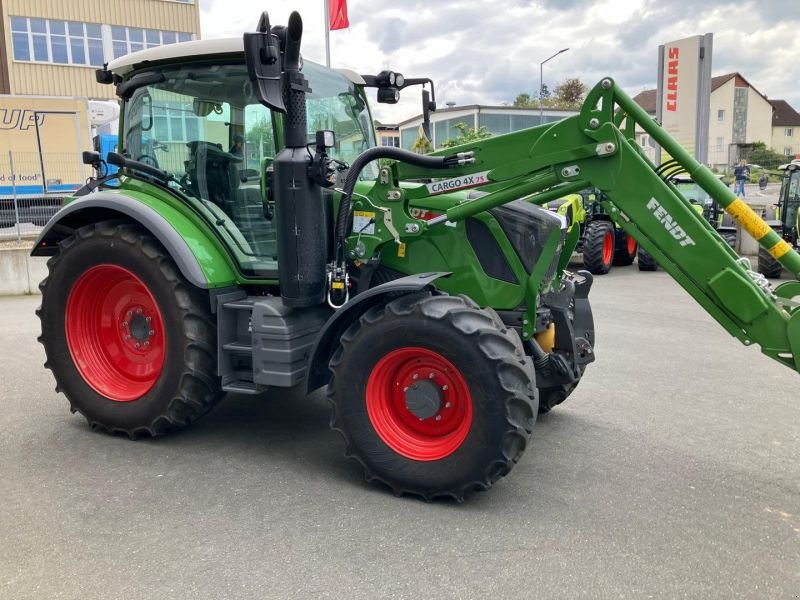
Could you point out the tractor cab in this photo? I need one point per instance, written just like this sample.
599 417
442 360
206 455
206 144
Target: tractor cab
190 111
787 212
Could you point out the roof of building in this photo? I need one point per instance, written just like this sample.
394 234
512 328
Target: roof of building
783 115
125 64
647 98
479 107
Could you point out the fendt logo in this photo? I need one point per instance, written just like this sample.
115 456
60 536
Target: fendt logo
672 80
669 223
20 118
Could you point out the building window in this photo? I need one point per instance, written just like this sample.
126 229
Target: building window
788 132
787 151
57 42
125 40
720 116
720 144
644 141
392 141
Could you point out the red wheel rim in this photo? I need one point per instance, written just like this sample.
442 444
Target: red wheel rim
631 246
427 439
115 333
608 248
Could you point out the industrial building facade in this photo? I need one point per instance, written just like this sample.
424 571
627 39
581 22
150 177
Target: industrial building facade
496 120
52 47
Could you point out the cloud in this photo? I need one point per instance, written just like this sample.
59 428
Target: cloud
489 52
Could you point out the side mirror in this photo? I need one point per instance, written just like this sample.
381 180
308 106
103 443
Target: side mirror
90 158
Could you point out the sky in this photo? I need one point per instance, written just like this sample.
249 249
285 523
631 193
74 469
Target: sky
487 52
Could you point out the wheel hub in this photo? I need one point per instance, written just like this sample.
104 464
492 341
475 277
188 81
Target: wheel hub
137 327
419 403
424 398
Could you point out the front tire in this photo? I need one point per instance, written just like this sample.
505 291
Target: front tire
130 342
625 249
645 261
598 247
471 414
767 265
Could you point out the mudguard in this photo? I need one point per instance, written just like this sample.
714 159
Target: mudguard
317 374
206 273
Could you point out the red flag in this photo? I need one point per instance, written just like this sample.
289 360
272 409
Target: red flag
337 14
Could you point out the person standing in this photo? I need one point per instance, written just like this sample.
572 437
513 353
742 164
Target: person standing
741 174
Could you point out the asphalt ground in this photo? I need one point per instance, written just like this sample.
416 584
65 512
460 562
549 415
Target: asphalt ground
672 472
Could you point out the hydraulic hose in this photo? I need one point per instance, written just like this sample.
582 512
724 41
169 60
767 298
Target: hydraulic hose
363 159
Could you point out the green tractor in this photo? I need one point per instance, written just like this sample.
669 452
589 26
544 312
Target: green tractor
602 243
706 206
251 241
786 219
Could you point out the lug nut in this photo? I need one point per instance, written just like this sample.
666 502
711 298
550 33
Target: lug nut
447 405
147 319
151 332
415 376
124 323
130 313
444 388
136 345
138 311
438 417
405 389
430 376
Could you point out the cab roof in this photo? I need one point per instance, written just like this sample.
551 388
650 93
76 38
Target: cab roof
125 64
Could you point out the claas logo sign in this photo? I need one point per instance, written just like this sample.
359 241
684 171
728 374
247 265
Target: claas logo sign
672 79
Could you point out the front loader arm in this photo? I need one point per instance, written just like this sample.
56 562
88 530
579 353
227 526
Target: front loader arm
597 148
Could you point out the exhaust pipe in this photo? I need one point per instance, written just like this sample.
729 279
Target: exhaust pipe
300 217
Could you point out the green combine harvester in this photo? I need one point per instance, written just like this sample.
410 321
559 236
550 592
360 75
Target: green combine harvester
251 241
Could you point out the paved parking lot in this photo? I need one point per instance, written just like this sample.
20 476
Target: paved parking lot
672 472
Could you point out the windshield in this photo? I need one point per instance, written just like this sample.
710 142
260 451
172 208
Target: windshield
203 125
791 193
693 192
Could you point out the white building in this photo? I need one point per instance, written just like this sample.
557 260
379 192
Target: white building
496 119
740 116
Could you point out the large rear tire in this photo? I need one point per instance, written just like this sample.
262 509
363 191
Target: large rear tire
433 396
767 265
645 261
729 237
130 342
625 249
598 247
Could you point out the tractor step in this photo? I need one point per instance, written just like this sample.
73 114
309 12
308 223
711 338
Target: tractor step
263 343
238 347
243 387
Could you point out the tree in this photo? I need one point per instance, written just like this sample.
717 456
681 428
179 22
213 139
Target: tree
261 133
544 93
523 100
422 145
467 134
764 157
570 93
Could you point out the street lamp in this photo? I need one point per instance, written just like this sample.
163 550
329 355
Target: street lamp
541 83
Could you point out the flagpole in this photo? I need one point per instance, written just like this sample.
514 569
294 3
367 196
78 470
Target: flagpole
327 20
